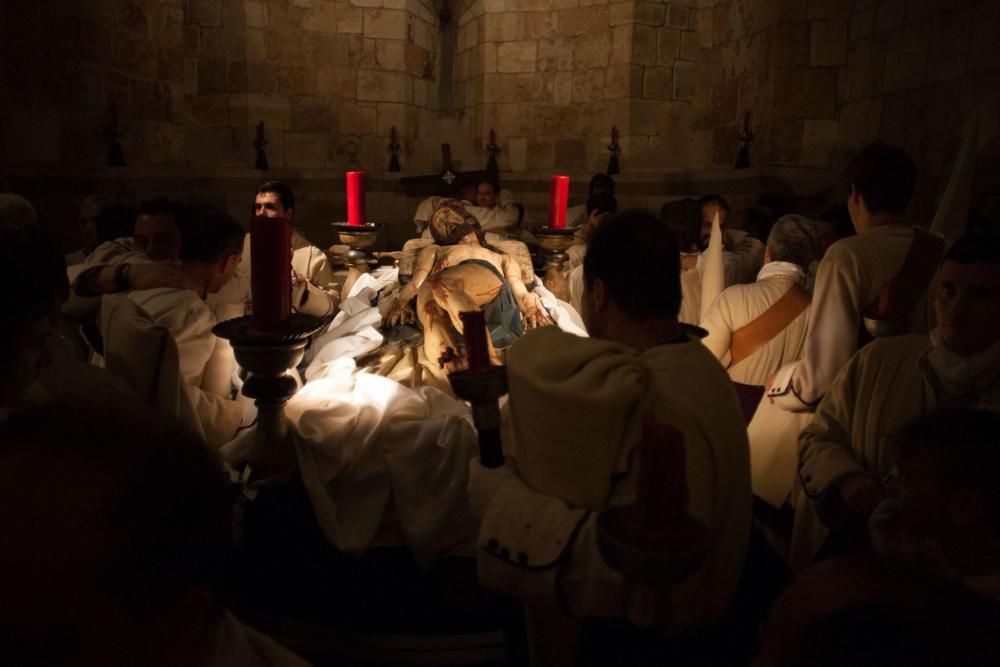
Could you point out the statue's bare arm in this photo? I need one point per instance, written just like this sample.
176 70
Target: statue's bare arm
530 303
402 311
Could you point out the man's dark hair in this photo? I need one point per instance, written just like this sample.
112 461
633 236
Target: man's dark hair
209 235
602 203
963 446
884 176
636 257
281 189
972 248
493 184
163 206
603 181
168 501
755 221
838 216
713 199
34 274
115 220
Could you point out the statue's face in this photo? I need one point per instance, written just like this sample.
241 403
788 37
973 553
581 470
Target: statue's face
452 223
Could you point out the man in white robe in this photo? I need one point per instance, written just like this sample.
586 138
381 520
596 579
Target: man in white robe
600 184
209 256
495 209
844 452
851 279
90 207
569 463
792 245
742 257
316 290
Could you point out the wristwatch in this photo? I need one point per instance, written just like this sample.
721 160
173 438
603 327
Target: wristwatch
123 277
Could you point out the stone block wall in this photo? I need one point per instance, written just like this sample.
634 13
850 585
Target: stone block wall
785 63
553 76
915 70
192 78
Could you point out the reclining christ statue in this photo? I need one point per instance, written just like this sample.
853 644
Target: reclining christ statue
462 272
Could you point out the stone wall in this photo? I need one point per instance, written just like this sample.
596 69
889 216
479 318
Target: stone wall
822 78
781 61
915 70
192 78
553 76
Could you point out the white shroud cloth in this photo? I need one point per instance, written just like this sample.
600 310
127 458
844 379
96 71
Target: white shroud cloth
363 441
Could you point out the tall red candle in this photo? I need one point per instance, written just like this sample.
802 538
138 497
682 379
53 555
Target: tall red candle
477 351
270 271
355 198
558 200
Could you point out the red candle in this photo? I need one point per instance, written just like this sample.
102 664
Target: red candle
477 351
558 200
493 137
355 198
270 271
392 136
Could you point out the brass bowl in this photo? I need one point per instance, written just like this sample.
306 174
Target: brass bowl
881 328
356 236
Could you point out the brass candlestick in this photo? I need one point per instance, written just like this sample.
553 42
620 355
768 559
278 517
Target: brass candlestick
555 241
268 356
360 238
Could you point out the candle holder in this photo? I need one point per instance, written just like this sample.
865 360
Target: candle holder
268 356
555 241
881 327
615 149
745 137
483 389
652 565
359 238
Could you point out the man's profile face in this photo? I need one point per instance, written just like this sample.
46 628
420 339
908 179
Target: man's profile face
227 269
486 195
968 306
269 205
708 212
157 236
88 224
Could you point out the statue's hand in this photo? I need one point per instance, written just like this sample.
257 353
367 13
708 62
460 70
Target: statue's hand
534 312
400 313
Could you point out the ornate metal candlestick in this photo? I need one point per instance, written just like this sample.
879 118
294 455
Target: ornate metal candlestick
555 241
268 356
746 136
394 150
259 143
360 238
116 157
492 170
615 149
